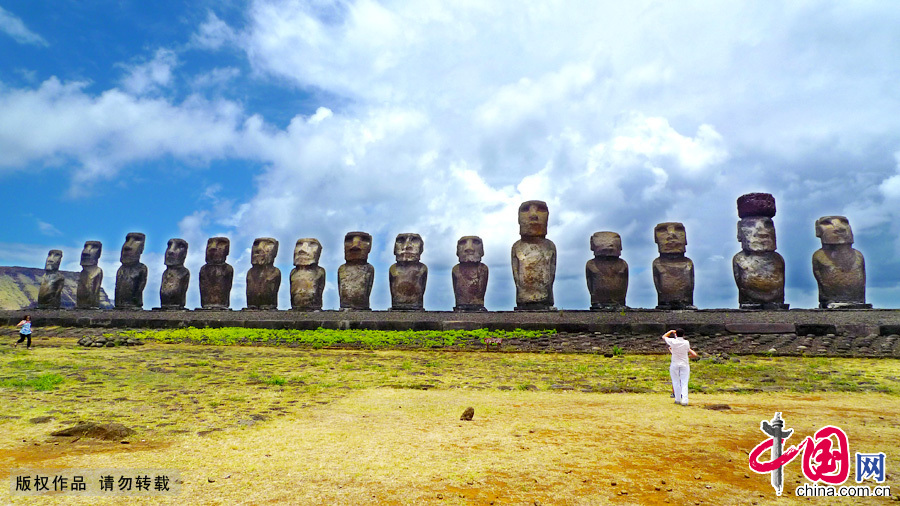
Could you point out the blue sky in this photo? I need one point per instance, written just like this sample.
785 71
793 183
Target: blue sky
299 119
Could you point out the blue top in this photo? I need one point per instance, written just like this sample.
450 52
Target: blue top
26 328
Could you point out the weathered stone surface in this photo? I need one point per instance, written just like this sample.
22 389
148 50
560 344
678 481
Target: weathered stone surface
87 295
756 204
131 278
263 278
760 328
408 276
673 272
468 414
176 277
758 269
356 276
307 278
606 273
216 276
839 269
50 292
533 259
470 276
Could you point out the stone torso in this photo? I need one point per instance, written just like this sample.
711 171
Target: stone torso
50 293
841 276
307 286
674 281
407 281
130 283
534 270
607 280
87 294
173 288
355 285
470 284
263 282
759 277
215 286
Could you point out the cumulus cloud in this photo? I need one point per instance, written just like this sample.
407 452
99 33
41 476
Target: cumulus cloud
441 117
11 25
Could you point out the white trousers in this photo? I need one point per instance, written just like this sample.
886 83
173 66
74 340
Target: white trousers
680 376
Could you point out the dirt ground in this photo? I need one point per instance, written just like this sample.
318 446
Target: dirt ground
396 446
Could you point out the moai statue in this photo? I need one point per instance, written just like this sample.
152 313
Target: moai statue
131 278
307 278
216 276
758 269
50 293
263 278
87 294
534 259
470 276
839 269
355 277
408 276
673 273
176 277
606 273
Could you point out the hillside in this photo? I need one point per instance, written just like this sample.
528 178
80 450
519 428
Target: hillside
19 288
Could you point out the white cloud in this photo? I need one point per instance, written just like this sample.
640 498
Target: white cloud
213 33
152 75
11 25
47 229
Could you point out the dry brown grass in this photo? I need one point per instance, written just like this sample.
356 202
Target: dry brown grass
369 444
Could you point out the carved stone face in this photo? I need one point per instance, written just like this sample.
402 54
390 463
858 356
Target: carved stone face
670 237
90 255
757 234
834 230
307 252
606 244
54 257
469 249
533 216
217 249
264 251
408 247
357 246
176 252
132 249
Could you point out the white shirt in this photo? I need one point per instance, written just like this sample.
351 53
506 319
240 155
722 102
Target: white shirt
680 347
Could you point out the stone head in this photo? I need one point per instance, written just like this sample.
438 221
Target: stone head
670 237
307 252
54 257
469 249
90 255
834 230
408 247
176 252
757 234
533 216
357 246
133 248
264 251
606 244
217 249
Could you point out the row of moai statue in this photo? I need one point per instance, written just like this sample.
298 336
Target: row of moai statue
758 269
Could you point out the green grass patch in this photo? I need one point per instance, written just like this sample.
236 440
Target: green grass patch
40 383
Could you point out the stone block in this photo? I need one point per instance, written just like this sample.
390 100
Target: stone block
761 328
805 329
860 330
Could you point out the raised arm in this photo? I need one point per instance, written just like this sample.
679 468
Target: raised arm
668 334
692 353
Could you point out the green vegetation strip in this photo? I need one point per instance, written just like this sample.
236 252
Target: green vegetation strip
324 338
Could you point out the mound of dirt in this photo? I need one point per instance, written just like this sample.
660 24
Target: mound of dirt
105 431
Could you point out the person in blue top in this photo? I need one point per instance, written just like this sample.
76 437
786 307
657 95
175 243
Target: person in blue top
25 332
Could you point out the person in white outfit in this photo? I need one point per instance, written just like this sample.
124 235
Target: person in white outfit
680 370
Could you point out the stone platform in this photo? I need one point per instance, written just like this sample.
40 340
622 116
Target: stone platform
709 322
